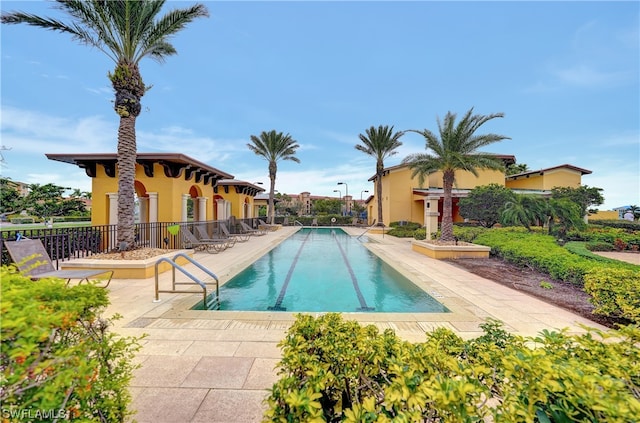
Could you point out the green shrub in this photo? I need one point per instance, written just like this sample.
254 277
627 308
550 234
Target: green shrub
599 246
526 248
615 292
620 223
57 357
420 234
583 249
335 370
403 229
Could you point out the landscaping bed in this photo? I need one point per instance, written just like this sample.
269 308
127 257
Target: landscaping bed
562 294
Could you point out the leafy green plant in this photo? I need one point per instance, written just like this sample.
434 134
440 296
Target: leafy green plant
57 355
336 370
615 292
530 248
546 285
599 246
403 229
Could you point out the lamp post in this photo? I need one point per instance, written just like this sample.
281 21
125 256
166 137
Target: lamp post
346 196
364 190
340 198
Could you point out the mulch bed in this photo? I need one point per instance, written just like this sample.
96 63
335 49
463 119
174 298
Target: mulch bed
565 295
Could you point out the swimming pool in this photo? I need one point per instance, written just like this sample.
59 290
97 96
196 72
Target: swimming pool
323 270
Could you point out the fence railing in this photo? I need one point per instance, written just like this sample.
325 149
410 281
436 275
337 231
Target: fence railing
84 241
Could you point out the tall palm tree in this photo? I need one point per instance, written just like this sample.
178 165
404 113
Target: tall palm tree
455 149
126 31
380 143
274 146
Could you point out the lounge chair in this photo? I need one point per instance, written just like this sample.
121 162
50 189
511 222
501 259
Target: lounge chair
211 246
266 226
203 235
314 222
238 237
251 231
285 222
32 260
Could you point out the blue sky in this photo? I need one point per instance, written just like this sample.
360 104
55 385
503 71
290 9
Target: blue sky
565 74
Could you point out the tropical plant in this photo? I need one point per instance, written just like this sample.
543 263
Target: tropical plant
523 209
514 169
584 196
380 143
126 31
10 198
455 149
484 204
563 215
274 146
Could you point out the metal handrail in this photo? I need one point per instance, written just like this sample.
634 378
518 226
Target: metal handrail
175 266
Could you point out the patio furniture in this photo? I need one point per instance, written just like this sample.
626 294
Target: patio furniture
203 235
251 231
238 237
211 246
267 226
32 260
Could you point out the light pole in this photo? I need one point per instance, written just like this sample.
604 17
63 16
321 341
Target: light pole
346 196
364 190
340 198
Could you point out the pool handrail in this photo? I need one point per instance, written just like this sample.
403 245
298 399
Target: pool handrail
174 266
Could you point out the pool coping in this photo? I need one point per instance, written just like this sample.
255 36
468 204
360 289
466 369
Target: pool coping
464 314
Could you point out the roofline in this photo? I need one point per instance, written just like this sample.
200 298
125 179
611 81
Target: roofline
506 158
174 164
542 171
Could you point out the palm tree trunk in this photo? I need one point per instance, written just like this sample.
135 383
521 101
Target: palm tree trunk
272 179
126 178
379 171
446 233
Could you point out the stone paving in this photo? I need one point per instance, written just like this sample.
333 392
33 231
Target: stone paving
217 366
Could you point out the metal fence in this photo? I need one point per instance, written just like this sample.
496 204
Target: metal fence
84 241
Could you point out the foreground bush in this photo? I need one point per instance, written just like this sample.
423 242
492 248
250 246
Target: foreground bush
58 360
615 293
335 370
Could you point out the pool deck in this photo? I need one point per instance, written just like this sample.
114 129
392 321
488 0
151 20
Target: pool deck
200 366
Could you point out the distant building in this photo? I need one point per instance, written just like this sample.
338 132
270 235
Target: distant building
404 200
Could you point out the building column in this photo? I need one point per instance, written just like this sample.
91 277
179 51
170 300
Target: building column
183 214
113 208
202 209
143 209
431 215
153 206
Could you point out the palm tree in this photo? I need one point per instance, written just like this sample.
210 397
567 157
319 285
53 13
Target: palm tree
126 31
380 143
274 146
523 209
455 149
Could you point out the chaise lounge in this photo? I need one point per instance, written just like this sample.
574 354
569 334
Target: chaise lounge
211 246
32 260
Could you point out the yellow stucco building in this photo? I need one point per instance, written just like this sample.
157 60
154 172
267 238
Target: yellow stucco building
164 184
404 200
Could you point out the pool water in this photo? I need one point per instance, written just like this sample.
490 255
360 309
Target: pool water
323 270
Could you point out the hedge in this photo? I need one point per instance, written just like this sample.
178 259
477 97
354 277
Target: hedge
543 252
58 359
335 370
615 292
